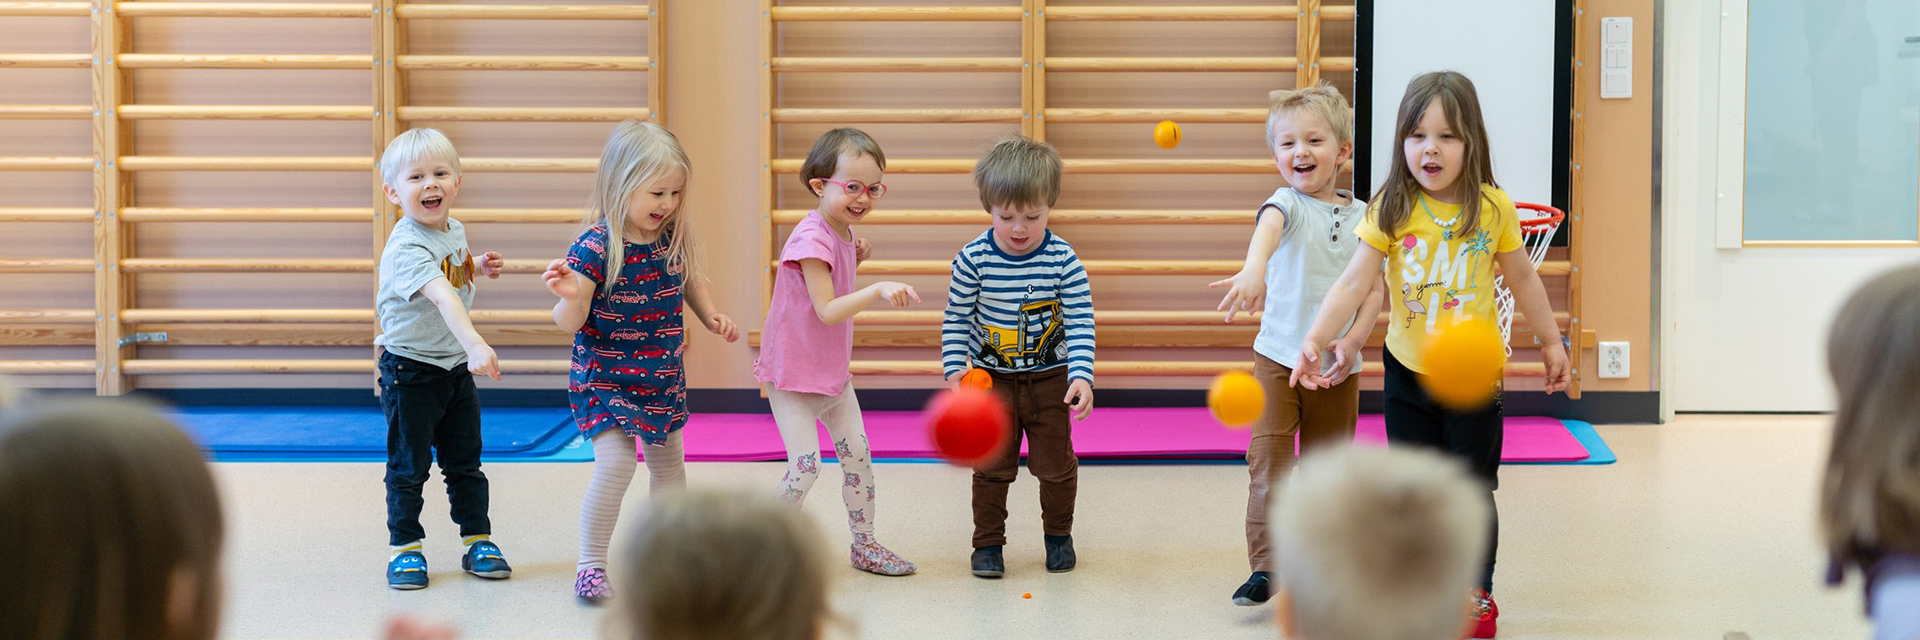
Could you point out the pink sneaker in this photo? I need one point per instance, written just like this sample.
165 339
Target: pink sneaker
870 557
591 585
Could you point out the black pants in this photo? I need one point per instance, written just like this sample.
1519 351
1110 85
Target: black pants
1475 438
429 408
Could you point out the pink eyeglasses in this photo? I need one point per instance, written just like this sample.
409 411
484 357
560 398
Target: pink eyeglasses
855 187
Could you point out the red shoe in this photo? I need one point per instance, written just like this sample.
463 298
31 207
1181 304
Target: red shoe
1486 615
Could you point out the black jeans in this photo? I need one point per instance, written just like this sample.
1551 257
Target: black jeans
1413 418
429 408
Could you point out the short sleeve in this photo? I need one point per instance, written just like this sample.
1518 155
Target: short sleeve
588 255
1509 219
413 267
1369 230
807 242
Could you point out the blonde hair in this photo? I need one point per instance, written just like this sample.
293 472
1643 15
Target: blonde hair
103 501
824 159
1322 100
1018 172
1870 496
1461 105
723 565
636 155
1378 544
410 147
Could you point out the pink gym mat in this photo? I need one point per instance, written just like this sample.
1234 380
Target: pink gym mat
1111 433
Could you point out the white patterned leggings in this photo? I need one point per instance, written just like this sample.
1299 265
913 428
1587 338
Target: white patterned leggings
613 466
796 413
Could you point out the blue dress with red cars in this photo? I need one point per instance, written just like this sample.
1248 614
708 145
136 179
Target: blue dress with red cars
627 368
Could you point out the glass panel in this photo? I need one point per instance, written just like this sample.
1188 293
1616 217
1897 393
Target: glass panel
1833 120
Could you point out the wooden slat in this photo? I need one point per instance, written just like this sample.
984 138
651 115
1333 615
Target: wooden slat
834 116
315 316
112 291
1171 13
656 72
43 335
243 112
248 163
45 60
1182 368
46 316
530 165
255 214
896 64
33 367
46 164
247 265
1236 336
896 14
1212 63
769 198
1155 115
522 63
242 61
521 114
246 9
1129 318
45 214
1057 216
45 265
334 335
413 11
45 112
44 9
1307 43
572 216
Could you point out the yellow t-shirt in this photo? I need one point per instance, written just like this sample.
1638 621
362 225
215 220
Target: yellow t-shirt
1436 278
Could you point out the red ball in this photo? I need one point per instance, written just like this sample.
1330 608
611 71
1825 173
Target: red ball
967 426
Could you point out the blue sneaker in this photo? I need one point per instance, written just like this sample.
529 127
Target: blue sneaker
407 571
483 559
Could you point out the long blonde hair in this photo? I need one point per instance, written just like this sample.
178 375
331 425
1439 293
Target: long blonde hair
1870 501
638 153
1461 104
722 565
103 503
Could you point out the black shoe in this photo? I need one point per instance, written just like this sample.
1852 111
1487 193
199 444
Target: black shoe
987 562
1060 558
1255 591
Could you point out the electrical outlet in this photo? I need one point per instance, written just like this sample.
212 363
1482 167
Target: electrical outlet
1616 359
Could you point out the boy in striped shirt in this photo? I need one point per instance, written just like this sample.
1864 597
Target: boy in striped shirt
1020 307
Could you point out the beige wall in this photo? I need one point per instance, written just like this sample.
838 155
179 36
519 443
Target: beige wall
713 103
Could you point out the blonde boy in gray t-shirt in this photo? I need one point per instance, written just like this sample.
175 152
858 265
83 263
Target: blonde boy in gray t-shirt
431 352
1302 240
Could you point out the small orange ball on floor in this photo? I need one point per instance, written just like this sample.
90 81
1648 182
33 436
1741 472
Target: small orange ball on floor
1028 596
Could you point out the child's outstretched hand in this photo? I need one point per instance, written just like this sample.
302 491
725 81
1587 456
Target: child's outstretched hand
482 361
1559 369
490 264
559 279
861 250
1080 398
1247 295
897 294
1307 374
723 326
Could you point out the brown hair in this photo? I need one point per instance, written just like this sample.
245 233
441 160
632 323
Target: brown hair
1461 104
824 159
1870 498
712 565
1018 172
103 502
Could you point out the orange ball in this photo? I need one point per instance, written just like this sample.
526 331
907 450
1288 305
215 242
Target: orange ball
1464 365
967 426
977 378
1028 596
1166 134
1236 399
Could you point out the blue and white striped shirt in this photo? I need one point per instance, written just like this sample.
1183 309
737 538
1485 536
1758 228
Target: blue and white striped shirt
1018 313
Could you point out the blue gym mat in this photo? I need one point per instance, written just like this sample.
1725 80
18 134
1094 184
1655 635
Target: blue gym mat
359 434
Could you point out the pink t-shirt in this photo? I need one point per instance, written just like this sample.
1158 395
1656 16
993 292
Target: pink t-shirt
798 352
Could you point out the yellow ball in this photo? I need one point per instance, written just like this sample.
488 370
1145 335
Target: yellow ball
1166 134
1464 366
1236 399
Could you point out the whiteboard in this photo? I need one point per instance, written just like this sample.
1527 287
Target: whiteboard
1507 47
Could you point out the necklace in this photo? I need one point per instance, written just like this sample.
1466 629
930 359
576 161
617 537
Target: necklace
1446 226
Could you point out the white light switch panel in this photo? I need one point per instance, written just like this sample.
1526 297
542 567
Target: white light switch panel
1616 57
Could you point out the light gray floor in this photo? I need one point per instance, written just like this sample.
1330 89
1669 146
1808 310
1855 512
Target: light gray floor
1702 528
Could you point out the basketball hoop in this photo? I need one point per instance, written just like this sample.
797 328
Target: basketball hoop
1538 224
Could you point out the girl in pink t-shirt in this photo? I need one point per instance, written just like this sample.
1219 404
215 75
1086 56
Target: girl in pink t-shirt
807 341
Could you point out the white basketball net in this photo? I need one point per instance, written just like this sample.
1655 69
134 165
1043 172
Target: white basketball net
1537 226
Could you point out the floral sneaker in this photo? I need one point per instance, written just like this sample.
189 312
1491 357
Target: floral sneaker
591 585
870 557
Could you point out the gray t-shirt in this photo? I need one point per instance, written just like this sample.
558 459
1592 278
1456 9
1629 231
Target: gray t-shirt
409 323
1316 244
